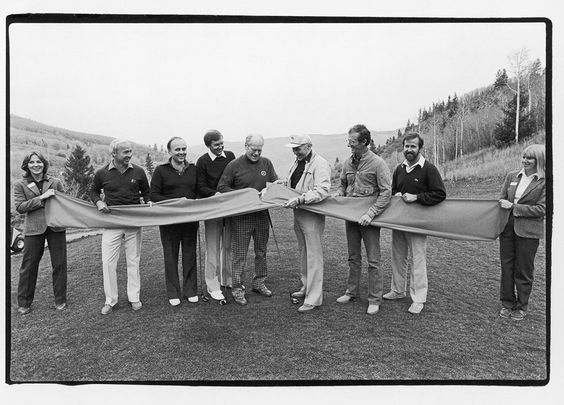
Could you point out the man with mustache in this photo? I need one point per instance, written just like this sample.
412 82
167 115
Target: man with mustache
122 183
415 180
250 170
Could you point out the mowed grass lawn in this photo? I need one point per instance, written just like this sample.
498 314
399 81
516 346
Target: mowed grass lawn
458 336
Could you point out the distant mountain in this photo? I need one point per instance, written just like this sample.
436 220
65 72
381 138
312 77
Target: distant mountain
56 144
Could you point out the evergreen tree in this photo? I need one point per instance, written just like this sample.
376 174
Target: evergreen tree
78 173
504 133
149 165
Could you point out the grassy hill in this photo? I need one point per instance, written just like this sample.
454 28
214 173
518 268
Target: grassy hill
57 143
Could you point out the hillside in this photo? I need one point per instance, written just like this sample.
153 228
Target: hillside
57 143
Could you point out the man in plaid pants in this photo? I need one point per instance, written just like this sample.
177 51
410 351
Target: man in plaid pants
249 171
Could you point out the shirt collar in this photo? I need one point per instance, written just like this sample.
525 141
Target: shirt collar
113 166
307 159
522 173
213 156
419 162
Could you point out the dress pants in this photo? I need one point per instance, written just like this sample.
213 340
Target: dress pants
111 243
402 242
253 225
517 256
218 253
309 227
34 246
172 237
371 237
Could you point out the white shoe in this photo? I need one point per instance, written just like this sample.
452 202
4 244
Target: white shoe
344 299
416 308
217 295
174 301
373 309
392 295
193 299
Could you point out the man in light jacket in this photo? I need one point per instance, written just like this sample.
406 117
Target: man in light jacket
311 176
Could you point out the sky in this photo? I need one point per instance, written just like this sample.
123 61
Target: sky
149 82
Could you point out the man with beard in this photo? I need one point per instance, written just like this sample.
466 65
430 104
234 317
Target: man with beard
364 174
311 176
177 179
415 180
249 171
210 167
122 183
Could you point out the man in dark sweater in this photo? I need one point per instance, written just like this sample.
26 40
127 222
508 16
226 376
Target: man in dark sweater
123 183
249 171
210 167
415 180
177 179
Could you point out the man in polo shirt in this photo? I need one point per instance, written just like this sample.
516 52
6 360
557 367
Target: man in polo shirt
250 170
210 167
122 183
416 181
177 179
311 176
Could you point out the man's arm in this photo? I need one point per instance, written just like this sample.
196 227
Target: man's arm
96 188
225 184
322 185
384 179
144 187
436 189
157 186
204 190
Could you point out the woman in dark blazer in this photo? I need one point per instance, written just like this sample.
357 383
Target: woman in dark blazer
30 194
524 194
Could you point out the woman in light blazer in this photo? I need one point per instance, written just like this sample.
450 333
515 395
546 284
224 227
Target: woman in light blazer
30 194
524 194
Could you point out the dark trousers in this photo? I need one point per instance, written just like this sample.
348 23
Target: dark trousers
172 237
33 252
517 257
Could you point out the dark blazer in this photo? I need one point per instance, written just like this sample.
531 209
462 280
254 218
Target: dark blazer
530 210
27 201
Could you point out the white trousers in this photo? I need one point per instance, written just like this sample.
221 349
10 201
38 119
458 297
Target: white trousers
218 253
402 242
111 243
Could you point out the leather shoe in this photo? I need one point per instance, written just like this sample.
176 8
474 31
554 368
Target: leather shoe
373 309
62 306
343 299
136 306
24 310
262 290
174 301
106 309
415 308
392 295
306 308
239 296
298 294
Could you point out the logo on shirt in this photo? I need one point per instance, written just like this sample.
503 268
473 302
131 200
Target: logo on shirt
416 180
134 180
263 173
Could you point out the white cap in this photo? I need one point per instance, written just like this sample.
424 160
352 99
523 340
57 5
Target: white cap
298 140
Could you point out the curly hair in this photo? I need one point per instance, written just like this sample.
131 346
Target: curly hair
27 159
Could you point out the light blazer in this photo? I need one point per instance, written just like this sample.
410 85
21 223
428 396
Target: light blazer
315 182
27 201
530 210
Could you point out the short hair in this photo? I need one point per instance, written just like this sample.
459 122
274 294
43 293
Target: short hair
363 133
413 135
171 140
211 136
537 152
256 137
27 159
115 143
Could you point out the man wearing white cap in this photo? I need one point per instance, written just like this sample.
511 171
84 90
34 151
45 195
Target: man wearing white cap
310 175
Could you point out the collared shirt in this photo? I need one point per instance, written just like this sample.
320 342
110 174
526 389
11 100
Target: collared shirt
419 162
111 166
167 182
120 188
213 156
523 184
297 174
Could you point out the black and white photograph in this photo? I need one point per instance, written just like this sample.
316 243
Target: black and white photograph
257 206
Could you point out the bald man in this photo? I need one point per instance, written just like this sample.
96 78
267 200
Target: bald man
250 170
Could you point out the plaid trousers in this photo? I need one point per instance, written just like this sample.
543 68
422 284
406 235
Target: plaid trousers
244 227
